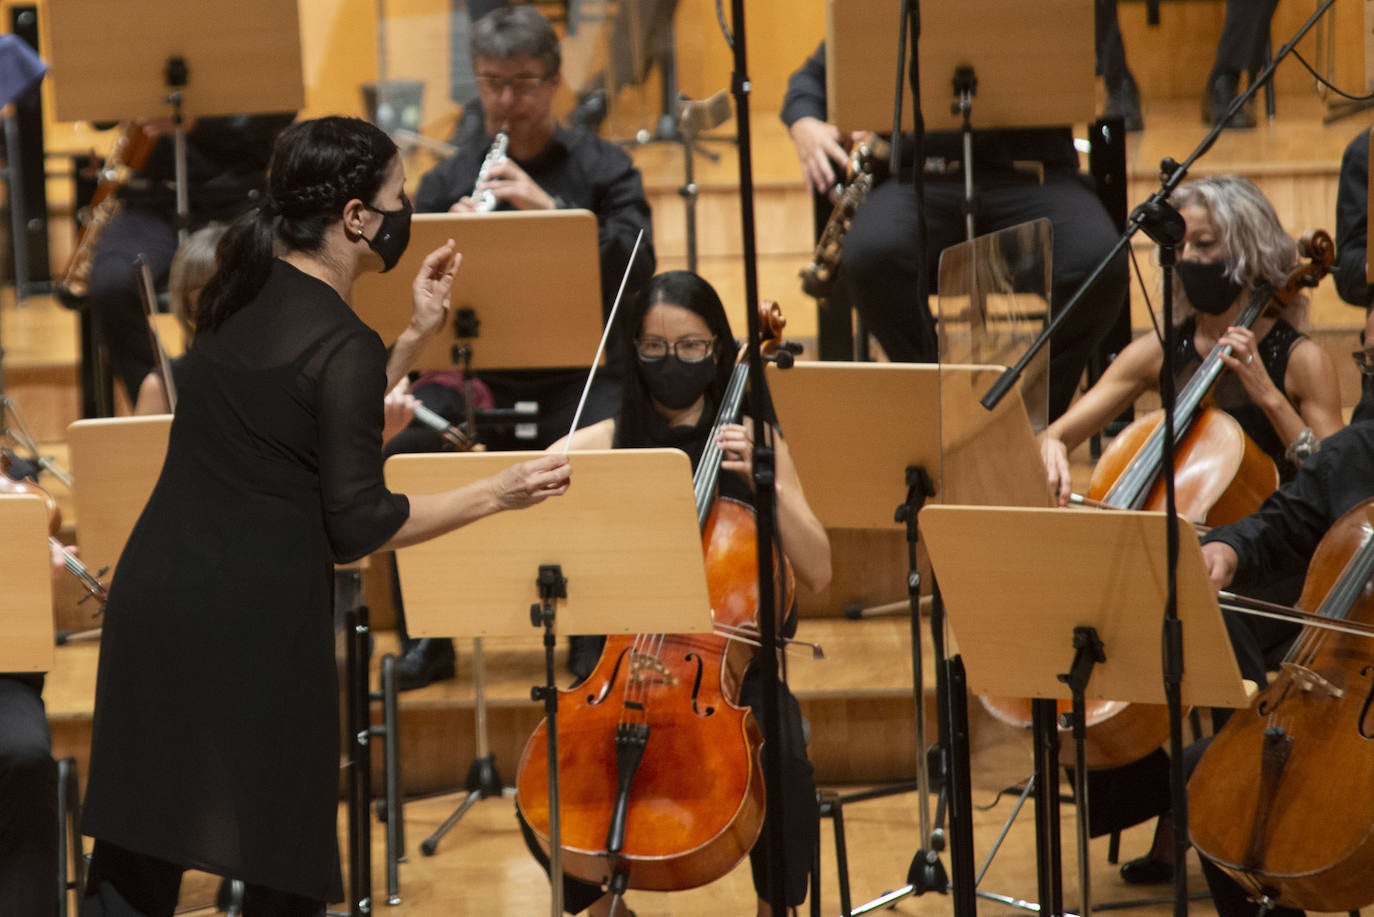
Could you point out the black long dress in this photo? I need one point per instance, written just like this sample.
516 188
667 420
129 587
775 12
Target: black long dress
215 741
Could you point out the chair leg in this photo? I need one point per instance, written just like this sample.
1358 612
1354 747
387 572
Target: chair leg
1114 847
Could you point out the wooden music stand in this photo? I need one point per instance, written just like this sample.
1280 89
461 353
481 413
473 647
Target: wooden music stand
597 540
108 65
1021 626
533 280
26 620
117 460
1033 62
908 427
885 412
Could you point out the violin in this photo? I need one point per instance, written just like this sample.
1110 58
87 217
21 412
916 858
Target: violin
1281 798
659 775
1220 476
90 582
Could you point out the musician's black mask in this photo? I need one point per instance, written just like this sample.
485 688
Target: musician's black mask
393 235
675 384
1207 285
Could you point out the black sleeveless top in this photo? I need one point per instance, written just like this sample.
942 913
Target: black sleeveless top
1229 393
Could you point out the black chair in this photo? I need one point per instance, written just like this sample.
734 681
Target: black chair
71 864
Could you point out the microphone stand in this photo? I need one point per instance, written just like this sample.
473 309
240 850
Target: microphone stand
1162 223
765 495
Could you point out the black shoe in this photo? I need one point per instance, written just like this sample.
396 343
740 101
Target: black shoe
1217 98
1147 871
590 111
1124 103
424 661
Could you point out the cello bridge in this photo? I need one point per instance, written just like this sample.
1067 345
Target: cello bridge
1310 681
646 668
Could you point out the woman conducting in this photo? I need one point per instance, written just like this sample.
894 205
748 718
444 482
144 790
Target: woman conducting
215 742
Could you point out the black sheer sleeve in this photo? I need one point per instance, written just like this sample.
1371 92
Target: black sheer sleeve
360 514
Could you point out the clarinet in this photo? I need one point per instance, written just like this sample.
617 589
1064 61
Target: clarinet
486 201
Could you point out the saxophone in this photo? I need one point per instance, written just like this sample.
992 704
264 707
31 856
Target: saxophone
129 152
486 201
819 276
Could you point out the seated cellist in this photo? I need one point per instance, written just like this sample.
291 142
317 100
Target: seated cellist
683 351
1279 385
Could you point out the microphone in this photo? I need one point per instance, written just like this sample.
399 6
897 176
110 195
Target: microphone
693 117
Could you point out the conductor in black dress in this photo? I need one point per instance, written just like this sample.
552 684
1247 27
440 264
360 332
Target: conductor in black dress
215 742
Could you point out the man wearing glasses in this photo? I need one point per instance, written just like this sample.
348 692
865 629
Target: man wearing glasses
517 61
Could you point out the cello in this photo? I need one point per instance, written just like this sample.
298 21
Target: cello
1280 801
1220 476
659 773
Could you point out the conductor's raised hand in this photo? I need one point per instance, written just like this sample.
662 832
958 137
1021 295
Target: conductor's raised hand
431 288
531 482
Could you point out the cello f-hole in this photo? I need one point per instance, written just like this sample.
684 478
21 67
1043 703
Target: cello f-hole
695 659
1366 732
600 697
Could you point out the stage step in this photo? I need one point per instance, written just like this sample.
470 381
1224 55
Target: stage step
858 701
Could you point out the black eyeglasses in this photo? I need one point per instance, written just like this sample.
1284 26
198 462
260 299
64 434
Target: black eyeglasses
688 350
520 85
1364 361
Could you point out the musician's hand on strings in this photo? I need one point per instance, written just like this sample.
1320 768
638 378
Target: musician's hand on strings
1244 362
531 482
736 444
398 409
509 184
819 150
430 291
1220 561
1055 455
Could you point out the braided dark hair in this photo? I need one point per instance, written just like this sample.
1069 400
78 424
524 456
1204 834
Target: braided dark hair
317 167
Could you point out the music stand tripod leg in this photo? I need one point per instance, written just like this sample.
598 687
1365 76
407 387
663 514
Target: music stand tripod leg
1088 651
552 587
483 779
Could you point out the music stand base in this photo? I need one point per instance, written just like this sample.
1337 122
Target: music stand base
483 782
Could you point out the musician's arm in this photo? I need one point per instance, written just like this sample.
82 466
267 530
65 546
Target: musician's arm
1133 371
1315 390
1276 541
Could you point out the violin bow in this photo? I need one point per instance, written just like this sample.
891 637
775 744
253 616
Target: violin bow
148 294
601 348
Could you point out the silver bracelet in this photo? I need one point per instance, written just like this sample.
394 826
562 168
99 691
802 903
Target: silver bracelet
1299 449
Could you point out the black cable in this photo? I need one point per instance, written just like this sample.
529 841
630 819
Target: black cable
1328 84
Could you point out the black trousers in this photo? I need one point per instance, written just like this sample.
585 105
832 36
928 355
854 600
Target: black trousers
1243 37
122 883
881 267
114 301
28 801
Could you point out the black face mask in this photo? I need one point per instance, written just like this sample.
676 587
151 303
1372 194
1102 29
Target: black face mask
675 384
1206 285
393 235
